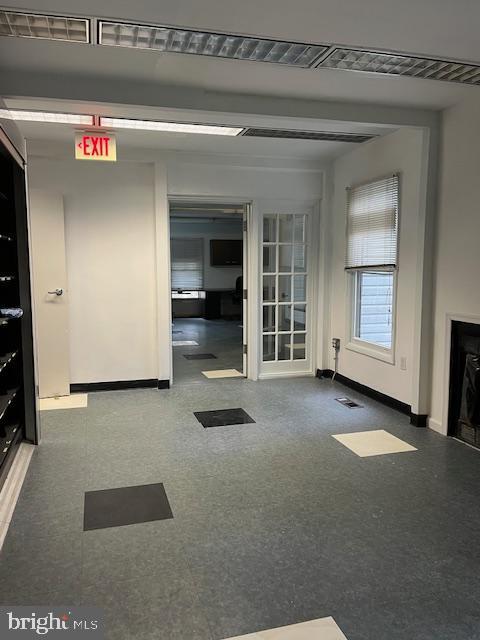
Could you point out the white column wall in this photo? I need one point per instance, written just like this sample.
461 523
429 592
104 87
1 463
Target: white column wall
400 152
457 265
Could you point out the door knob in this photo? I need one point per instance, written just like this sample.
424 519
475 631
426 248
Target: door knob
57 292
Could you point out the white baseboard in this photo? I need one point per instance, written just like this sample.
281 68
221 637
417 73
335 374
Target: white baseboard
436 425
293 374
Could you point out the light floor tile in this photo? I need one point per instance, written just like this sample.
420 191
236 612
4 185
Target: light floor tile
184 343
223 373
12 486
74 401
373 443
320 629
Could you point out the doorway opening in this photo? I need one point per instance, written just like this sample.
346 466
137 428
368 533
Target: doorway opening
208 260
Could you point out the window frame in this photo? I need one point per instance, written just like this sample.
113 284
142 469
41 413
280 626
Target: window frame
354 343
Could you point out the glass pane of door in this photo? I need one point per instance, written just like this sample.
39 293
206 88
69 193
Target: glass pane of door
284 300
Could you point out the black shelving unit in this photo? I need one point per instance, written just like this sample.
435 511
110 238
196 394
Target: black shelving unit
17 382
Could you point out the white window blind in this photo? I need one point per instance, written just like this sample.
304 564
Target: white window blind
372 224
187 263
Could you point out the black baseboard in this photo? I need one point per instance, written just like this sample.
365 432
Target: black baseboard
419 420
118 385
393 403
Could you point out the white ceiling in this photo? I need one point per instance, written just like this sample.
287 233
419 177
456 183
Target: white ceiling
202 144
430 27
315 151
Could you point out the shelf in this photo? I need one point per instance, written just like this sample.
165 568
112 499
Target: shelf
6 359
7 278
3 197
6 401
13 433
5 237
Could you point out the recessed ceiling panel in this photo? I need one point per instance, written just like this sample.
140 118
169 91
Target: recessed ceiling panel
31 25
219 45
402 65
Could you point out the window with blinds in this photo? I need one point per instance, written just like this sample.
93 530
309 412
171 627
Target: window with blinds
187 264
372 225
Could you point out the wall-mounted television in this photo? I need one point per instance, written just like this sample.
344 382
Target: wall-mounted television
226 253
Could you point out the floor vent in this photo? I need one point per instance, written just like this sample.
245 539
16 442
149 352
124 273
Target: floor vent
329 136
351 404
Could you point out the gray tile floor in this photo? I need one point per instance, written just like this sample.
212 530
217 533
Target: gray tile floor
273 524
223 338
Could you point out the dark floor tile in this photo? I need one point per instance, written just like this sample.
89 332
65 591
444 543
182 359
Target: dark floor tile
223 417
126 505
199 356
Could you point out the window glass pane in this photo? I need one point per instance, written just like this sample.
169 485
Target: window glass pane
269 288
375 307
284 288
284 317
298 229
268 348
300 257
268 318
284 346
285 228
285 258
299 317
300 288
299 346
269 259
269 228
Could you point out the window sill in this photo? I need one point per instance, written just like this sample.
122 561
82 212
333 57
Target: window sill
371 350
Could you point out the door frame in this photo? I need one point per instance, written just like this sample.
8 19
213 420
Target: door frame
264 206
250 268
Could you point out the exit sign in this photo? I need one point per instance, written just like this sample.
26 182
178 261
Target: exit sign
95 146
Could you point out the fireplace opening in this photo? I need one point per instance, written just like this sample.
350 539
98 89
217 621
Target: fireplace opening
464 392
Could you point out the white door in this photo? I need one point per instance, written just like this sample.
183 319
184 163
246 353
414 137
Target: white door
286 291
50 293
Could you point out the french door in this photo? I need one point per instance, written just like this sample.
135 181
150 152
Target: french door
286 292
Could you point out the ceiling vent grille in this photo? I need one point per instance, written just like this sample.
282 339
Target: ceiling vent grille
45 27
219 45
329 136
402 65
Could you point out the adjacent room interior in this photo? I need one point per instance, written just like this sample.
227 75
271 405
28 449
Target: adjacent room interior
207 274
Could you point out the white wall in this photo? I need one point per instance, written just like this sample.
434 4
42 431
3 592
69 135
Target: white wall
117 240
214 277
229 178
457 290
109 228
399 152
